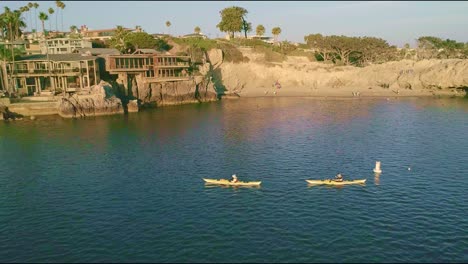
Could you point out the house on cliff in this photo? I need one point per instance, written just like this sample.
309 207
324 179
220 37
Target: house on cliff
48 74
42 74
63 45
153 67
99 34
147 68
195 35
101 54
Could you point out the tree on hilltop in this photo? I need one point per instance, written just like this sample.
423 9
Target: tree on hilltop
168 25
127 42
434 47
118 40
276 31
140 40
233 20
246 27
351 50
260 30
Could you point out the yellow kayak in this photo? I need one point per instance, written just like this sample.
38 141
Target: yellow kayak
227 182
333 182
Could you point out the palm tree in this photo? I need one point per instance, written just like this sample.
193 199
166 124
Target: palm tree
18 22
30 6
10 27
43 17
3 25
73 29
197 30
74 32
260 30
276 31
35 5
60 5
168 25
8 21
26 9
51 12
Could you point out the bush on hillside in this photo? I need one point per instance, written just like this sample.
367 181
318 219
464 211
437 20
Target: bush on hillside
231 53
204 44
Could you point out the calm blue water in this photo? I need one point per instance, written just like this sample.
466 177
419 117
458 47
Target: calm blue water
130 189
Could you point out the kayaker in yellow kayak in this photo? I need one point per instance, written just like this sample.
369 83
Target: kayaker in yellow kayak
339 177
234 178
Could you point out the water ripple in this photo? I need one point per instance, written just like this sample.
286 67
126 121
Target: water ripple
130 189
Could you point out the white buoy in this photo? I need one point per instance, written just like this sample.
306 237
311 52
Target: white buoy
377 167
409 168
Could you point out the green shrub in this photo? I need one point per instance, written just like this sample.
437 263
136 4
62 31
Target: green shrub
204 44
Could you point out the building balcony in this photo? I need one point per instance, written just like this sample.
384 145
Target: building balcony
36 72
129 68
173 65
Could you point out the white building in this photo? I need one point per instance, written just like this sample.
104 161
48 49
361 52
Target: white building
265 39
63 45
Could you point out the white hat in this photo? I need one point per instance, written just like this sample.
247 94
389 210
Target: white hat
234 176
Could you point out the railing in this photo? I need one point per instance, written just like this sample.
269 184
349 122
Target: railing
173 64
128 67
176 75
28 71
45 71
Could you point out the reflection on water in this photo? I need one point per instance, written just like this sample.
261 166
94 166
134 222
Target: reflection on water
377 178
330 186
129 188
223 186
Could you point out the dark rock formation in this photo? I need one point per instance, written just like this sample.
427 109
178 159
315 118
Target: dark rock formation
6 114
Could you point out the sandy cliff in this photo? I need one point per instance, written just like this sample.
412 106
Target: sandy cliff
299 77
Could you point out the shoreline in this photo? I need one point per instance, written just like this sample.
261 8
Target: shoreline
33 109
347 93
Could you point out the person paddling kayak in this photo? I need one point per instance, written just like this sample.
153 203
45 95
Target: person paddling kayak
339 177
234 178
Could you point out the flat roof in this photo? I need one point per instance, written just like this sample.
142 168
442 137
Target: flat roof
99 51
56 57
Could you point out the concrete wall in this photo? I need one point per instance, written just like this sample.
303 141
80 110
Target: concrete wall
36 108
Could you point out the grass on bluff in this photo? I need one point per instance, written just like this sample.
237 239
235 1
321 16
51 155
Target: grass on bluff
273 53
204 44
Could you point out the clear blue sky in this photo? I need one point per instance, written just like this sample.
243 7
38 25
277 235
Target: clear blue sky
396 22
